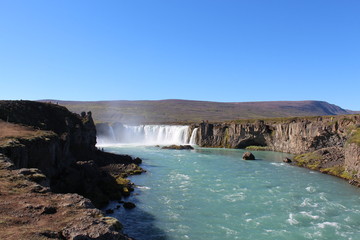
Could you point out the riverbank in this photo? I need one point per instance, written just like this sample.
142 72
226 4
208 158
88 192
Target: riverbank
329 144
211 193
49 160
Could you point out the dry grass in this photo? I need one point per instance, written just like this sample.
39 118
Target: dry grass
10 132
175 111
15 130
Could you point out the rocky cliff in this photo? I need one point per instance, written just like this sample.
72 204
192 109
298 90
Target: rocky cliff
61 145
333 139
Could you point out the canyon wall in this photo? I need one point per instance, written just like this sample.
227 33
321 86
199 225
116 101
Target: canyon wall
291 135
62 146
56 148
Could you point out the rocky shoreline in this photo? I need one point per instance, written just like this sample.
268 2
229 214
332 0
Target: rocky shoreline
52 171
51 168
329 144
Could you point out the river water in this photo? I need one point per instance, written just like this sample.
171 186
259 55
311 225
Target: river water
213 194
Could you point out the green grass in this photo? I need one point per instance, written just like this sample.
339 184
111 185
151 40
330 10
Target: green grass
309 160
313 161
355 136
338 171
258 148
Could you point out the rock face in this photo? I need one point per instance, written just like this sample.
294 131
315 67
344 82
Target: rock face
31 211
297 135
57 149
64 150
352 157
291 135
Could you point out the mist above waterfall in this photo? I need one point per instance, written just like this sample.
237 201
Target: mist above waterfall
146 134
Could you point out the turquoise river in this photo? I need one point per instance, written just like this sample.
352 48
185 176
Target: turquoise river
213 194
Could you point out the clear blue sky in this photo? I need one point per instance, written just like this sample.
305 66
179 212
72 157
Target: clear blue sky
217 50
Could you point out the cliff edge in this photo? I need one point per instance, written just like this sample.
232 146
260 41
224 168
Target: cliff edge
49 157
330 144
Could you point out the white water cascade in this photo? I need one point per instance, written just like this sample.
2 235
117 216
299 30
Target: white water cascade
193 137
149 135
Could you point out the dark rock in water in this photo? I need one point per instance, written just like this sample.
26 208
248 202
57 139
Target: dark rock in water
178 147
157 145
248 156
109 211
118 206
137 160
287 160
129 205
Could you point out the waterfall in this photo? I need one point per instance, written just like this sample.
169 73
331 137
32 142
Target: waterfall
193 137
148 135
112 134
105 134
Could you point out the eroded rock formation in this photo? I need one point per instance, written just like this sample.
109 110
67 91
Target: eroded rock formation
56 148
332 139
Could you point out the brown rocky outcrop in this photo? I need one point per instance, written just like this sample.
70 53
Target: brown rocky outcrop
61 145
31 211
328 136
292 135
352 158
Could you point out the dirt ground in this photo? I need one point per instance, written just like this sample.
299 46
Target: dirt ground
15 130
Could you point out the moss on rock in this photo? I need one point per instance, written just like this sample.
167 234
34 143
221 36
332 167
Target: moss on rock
258 148
309 160
355 136
338 171
113 222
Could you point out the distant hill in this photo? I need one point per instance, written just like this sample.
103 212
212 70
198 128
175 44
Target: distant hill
171 111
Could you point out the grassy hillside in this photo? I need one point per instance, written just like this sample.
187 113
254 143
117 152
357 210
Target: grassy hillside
168 111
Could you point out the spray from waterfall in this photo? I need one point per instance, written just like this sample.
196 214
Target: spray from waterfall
148 135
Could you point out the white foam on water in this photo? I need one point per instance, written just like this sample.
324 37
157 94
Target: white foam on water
227 216
180 177
278 164
307 203
235 197
314 235
229 231
309 215
310 189
292 220
216 190
330 224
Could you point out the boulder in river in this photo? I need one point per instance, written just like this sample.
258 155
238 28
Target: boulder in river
287 160
178 147
129 205
248 156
